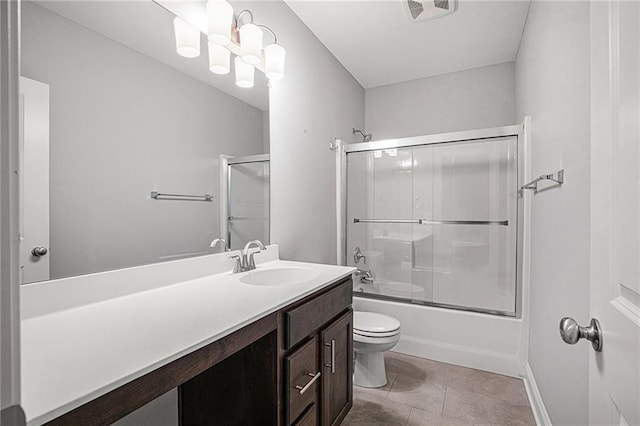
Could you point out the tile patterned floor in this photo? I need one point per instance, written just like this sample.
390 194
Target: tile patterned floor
424 392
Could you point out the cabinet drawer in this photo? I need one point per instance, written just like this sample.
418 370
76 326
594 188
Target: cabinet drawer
310 418
302 378
310 316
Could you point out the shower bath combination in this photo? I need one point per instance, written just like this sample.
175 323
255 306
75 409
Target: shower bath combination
437 218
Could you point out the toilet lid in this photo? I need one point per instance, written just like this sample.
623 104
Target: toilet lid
370 323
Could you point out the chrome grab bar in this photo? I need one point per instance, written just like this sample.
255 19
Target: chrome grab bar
162 196
434 222
464 222
414 221
308 385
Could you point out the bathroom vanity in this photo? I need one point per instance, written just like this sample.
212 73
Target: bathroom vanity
262 353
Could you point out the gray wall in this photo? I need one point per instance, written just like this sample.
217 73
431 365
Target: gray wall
470 99
553 86
122 125
317 101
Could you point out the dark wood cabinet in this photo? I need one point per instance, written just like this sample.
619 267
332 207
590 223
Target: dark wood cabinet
337 360
319 330
300 375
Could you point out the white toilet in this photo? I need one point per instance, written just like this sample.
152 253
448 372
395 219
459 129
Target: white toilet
373 334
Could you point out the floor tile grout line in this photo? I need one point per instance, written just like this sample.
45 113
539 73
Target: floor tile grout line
444 400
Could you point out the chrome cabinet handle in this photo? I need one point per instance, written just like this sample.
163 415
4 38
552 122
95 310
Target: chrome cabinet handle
333 356
39 251
571 332
308 385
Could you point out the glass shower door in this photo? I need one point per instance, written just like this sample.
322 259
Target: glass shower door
383 225
473 264
248 203
436 224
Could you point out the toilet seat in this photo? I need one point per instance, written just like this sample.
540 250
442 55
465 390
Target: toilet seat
371 324
374 335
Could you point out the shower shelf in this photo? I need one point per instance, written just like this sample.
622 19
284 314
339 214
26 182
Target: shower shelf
434 222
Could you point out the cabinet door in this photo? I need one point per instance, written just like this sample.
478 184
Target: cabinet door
337 362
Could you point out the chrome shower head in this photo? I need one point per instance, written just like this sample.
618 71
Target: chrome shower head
365 137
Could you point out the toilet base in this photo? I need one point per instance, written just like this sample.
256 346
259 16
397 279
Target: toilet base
370 371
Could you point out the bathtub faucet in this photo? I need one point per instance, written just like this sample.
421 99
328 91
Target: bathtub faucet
366 277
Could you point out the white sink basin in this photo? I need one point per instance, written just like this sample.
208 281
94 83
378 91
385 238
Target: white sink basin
279 276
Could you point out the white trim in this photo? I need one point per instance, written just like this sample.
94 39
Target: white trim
257 158
535 399
466 135
465 356
341 185
9 199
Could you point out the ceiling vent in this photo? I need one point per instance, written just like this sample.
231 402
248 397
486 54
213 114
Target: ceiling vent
424 10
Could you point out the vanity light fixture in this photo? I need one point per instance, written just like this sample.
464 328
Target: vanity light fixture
274 60
250 39
187 39
226 35
219 58
244 73
219 21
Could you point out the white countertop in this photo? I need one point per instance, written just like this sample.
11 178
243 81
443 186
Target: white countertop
72 356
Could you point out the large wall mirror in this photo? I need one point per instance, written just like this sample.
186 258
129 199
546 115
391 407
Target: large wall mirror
110 114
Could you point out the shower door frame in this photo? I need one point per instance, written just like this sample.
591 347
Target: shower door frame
226 161
522 134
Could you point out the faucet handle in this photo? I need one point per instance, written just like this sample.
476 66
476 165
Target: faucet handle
251 262
238 266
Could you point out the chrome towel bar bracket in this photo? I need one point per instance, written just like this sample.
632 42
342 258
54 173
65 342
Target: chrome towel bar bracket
554 177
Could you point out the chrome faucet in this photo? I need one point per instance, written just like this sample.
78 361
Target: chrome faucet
245 261
357 256
366 277
222 242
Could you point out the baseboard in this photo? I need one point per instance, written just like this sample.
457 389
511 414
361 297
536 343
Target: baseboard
464 356
535 399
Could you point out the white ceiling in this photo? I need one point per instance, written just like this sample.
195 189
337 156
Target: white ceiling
378 45
147 28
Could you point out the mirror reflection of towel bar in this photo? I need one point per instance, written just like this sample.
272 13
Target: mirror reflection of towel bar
435 222
161 196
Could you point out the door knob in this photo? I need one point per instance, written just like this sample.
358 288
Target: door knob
39 251
571 332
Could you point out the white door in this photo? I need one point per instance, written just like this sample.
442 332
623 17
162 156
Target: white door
34 181
614 385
